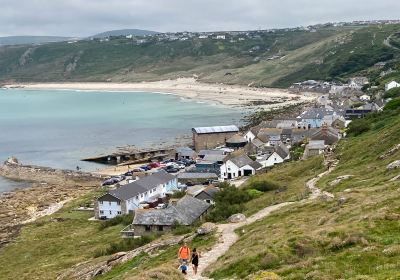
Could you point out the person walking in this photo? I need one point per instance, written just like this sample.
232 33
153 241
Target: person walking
184 253
195 260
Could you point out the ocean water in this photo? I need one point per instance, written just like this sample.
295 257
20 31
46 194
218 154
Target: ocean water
57 128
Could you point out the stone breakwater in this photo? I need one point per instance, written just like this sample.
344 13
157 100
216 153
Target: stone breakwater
50 189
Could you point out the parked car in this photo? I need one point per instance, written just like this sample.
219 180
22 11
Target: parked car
145 167
154 165
129 173
172 170
138 170
181 166
110 181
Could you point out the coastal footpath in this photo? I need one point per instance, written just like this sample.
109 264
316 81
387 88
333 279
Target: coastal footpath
50 189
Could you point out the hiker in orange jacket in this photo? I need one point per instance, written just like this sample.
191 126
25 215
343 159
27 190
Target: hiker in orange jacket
184 254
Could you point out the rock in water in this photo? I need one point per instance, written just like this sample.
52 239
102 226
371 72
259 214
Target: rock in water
206 228
11 161
394 165
237 218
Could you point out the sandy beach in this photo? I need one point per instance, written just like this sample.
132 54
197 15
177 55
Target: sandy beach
189 88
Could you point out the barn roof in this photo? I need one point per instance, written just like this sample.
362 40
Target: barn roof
216 129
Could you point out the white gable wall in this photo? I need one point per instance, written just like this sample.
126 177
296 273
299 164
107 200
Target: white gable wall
230 171
273 159
249 136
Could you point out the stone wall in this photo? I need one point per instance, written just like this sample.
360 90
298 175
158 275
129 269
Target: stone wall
141 230
13 170
210 140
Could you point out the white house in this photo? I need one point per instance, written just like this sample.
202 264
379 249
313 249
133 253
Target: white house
127 198
280 154
365 97
239 166
220 37
250 136
392 84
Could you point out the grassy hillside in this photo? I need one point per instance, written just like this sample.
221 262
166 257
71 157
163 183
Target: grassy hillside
330 52
353 236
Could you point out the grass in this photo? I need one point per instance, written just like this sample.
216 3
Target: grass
329 53
52 244
351 238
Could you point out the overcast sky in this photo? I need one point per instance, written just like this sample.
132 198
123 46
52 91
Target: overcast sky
87 17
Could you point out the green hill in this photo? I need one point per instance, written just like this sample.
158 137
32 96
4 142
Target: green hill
276 58
124 32
28 40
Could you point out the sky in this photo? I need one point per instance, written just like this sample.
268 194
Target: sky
87 17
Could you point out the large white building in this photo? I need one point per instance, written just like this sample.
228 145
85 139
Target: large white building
392 84
127 198
239 166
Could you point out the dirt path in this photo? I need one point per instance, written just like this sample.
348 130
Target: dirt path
227 235
387 43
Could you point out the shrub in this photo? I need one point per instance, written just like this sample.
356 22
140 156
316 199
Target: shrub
122 219
392 104
264 185
359 126
254 193
178 194
124 245
392 93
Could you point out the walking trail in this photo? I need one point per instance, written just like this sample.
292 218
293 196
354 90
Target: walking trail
227 235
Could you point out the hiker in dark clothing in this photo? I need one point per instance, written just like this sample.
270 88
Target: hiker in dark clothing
195 260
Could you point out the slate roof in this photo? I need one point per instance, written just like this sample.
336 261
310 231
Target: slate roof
210 152
316 144
282 150
236 139
258 143
214 158
210 190
216 129
142 185
197 175
185 151
329 135
244 160
185 212
316 113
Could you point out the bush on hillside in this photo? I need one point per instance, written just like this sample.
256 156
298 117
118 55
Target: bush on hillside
124 245
264 185
392 104
228 201
359 126
393 93
118 220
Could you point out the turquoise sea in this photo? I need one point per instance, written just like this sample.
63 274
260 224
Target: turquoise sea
57 128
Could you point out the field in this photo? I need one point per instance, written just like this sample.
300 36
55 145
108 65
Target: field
268 59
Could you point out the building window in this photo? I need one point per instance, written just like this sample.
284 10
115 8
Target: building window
160 228
110 212
142 196
147 228
101 202
119 202
109 203
137 197
119 212
101 212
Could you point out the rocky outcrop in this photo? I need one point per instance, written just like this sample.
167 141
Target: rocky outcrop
206 228
237 218
88 270
339 179
394 165
26 57
14 170
390 152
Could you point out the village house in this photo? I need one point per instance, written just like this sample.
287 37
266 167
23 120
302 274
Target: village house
328 134
280 154
206 194
211 137
185 212
313 118
127 198
236 142
239 166
392 84
185 153
314 148
251 134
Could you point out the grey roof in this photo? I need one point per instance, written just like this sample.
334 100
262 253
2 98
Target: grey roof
316 144
327 134
185 151
235 139
316 113
244 160
214 158
282 150
287 131
257 142
185 212
197 175
216 129
210 190
210 152
142 185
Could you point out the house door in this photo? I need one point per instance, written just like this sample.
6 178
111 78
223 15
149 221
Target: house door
247 172
240 173
229 175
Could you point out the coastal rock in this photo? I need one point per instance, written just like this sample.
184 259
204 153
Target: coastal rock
11 161
339 179
390 152
237 218
113 260
396 178
206 228
394 165
326 196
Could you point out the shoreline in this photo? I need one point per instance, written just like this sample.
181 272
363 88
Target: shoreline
188 88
